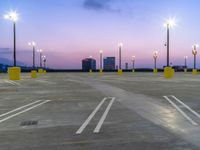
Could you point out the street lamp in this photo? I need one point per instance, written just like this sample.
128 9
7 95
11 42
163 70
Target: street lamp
168 71
13 16
155 56
44 61
33 44
194 52
133 61
168 24
101 61
40 51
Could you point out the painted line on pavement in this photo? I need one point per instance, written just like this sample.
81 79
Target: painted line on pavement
11 82
28 109
180 111
84 125
19 108
98 127
186 106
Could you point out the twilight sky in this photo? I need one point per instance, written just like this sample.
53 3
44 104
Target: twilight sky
69 30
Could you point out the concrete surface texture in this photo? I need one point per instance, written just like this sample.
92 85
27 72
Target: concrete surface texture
82 111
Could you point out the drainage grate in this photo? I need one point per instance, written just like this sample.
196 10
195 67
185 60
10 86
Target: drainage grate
29 123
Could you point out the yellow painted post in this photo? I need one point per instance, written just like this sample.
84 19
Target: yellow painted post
44 71
155 71
40 71
120 72
90 71
194 72
33 74
168 72
101 72
14 73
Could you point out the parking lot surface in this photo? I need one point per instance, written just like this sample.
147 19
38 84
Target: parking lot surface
82 111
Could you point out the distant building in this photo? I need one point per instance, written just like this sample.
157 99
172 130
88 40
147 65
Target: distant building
126 64
109 63
88 64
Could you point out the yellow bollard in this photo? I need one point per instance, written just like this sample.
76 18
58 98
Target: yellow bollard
90 71
44 71
33 74
101 72
168 72
14 73
120 72
155 71
41 71
194 72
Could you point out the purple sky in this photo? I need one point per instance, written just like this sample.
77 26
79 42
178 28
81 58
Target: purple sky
69 30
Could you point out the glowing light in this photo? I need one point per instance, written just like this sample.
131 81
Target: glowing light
133 58
44 57
155 54
170 23
32 43
195 46
90 56
39 50
12 15
120 44
186 57
100 51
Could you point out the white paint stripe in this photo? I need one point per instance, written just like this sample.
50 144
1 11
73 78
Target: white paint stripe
19 108
14 82
186 106
98 127
80 130
184 114
9 82
7 118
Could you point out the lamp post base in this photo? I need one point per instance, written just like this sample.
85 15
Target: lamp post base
120 72
14 73
155 71
33 74
168 72
194 72
41 71
101 72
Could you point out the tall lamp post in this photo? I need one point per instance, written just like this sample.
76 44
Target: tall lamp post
155 56
101 62
168 71
13 16
194 52
14 72
40 51
33 44
133 61
120 58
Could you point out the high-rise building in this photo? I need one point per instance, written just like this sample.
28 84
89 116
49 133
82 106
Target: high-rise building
109 63
88 64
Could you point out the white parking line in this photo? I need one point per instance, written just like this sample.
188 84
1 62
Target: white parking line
11 82
182 113
98 127
19 108
186 106
28 109
80 130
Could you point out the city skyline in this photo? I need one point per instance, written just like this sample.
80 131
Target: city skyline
69 31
